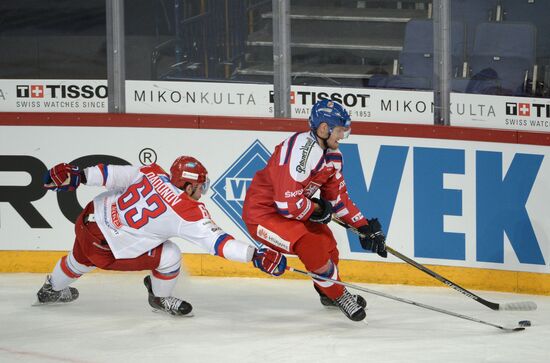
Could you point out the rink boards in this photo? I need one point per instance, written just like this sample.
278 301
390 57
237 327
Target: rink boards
471 203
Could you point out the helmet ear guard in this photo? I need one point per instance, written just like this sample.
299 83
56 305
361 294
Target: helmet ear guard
187 169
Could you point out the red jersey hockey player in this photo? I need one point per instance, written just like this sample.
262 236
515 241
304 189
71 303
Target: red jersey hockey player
281 212
127 228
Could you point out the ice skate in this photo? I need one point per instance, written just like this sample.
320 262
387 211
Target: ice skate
171 305
350 307
329 303
47 295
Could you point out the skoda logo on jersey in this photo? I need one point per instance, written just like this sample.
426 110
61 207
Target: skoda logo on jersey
230 188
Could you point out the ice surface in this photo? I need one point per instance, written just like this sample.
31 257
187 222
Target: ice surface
259 320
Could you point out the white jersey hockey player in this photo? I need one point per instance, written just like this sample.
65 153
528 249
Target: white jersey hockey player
127 228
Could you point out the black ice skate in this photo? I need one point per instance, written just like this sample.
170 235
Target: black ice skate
350 307
329 303
170 305
47 295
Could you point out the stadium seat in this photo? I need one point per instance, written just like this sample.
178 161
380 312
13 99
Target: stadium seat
416 58
533 11
508 49
471 13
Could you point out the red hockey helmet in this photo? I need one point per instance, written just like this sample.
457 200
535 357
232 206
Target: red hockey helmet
187 169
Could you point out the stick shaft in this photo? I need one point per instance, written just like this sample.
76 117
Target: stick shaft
406 301
410 261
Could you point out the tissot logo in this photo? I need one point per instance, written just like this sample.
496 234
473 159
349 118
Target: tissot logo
230 188
306 98
33 91
23 91
61 91
541 110
524 109
518 109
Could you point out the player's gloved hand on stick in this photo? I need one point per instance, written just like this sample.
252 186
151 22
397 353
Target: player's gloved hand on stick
324 215
374 239
62 177
269 261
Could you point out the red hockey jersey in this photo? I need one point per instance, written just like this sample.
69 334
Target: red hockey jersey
298 168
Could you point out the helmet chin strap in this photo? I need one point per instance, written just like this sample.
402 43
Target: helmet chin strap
325 139
193 190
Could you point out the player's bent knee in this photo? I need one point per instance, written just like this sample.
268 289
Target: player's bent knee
170 259
311 252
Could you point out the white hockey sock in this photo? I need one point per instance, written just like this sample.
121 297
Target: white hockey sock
162 287
165 276
66 271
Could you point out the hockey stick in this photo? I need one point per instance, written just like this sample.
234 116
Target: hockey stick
517 306
521 325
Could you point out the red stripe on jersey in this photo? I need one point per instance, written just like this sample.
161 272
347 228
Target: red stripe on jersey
169 276
103 169
66 270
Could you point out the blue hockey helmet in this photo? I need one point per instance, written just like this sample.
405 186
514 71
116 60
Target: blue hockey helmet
330 112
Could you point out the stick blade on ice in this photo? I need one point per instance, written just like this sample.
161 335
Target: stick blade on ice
519 306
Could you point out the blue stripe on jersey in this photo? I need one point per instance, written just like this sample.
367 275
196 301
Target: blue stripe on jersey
220 239
333 157
175 272
290 146
284 212
338 206
319 164
104 172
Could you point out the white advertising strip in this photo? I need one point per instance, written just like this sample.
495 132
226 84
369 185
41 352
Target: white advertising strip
441 183
500 112
378 105
240 99
256 100
53 95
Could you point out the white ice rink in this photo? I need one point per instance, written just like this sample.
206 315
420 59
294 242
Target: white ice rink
259 320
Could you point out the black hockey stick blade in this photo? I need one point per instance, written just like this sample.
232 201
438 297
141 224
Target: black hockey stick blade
515 306
520 327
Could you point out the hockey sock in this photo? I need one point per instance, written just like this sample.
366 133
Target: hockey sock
329 288
66 271
165 276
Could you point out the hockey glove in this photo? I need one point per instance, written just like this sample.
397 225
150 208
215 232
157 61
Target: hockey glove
373 238
269 261
62 177
324 215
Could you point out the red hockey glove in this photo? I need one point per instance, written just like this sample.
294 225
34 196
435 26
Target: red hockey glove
269 261
62 177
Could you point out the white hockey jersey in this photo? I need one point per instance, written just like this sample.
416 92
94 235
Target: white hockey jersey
142 209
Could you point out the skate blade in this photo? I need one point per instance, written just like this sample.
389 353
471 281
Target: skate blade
334 307
38 303
157 311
